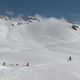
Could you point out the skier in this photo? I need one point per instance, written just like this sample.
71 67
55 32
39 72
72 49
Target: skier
12 24
27 64
4 64
70 58
17 64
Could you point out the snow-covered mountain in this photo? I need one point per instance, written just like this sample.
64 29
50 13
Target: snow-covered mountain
38 48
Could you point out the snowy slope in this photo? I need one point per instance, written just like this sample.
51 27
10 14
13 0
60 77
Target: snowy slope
46 43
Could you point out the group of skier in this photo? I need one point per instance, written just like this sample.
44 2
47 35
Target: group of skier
4 64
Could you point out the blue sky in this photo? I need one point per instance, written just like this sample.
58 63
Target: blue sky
68 9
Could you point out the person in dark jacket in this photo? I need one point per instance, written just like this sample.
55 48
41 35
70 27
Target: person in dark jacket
70 58
27 64
4 64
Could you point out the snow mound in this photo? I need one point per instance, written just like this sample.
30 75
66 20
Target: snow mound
42 30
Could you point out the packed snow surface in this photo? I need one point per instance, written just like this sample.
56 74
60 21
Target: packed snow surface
44 43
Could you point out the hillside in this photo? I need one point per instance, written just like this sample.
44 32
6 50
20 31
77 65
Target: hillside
46 43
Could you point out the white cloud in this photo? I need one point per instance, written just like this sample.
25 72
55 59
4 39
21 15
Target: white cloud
9 12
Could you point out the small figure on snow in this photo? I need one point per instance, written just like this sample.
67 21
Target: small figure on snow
70 58
17 64
27 64
12 24
4 64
